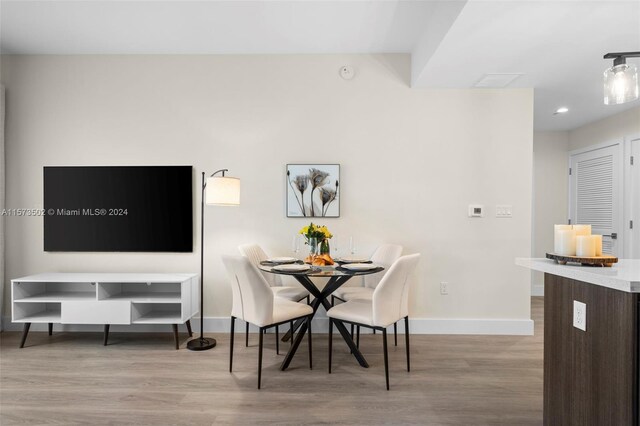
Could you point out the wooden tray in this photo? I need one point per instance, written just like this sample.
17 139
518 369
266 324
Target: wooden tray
586 261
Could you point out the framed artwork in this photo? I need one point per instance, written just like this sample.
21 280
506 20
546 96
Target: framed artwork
313 190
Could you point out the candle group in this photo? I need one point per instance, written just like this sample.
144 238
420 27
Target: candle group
576 240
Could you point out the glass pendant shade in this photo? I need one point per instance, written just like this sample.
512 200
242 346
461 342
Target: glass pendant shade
223 191
620 84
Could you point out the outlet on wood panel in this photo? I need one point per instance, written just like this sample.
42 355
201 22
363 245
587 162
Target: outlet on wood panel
580 315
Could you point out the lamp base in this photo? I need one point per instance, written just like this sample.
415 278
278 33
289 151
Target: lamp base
201 344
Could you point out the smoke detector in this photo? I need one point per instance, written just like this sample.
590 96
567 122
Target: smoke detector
347 72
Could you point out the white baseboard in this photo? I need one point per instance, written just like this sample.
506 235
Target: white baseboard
520 327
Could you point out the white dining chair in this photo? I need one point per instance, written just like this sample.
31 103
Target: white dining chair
254 302
384 256
388 305
255 254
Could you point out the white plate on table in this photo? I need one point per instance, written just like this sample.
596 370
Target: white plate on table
352 259
282 260
292 268
359 266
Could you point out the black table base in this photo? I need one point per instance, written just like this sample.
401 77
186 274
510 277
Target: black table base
320 298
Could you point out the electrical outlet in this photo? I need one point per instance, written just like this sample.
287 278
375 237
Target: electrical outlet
444 288
580 315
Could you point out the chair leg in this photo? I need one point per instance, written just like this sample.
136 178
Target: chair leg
330 342
374 331
233 322
50 329
406 338
309 337
386 356
261 333
358 337
246 336
277 341
291 338
352 328
188 323
395 333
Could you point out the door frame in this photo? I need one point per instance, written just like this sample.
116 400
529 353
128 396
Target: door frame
622 149
627 200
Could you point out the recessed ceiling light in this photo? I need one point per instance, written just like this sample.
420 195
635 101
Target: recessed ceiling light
561 110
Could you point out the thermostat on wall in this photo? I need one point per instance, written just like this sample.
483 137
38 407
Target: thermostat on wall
476 210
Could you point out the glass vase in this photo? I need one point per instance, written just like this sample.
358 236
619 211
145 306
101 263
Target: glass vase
314 248
324 247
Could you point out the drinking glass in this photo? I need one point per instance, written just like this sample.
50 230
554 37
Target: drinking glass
295 245
335 248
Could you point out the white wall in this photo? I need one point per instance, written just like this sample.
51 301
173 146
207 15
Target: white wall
411 161
550 199
616 126
551 180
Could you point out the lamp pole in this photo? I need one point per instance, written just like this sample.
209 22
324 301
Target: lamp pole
201 343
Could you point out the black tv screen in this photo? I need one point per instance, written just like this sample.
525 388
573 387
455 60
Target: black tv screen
126 209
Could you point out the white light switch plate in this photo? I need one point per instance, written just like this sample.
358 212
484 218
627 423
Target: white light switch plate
504 210
580 315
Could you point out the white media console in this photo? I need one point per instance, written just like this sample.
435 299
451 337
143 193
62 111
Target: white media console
109 298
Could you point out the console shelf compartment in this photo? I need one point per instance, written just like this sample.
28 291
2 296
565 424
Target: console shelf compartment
105 299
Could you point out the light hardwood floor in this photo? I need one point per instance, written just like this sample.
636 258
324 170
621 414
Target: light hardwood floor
70 378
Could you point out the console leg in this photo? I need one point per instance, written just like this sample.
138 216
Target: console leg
175 335
25 331
106 334
189 328
50 329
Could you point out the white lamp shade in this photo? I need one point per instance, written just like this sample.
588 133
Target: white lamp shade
620 84
222 191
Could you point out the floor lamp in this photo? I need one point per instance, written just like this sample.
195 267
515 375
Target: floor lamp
216 191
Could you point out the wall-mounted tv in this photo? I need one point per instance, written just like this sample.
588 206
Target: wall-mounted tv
123 209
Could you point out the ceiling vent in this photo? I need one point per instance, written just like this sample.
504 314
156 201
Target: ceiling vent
496 80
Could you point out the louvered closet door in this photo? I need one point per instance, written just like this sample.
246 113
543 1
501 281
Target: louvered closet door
595 194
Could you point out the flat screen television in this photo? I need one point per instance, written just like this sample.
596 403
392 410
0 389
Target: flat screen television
118 209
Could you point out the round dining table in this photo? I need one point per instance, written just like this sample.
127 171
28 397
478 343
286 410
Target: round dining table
337 276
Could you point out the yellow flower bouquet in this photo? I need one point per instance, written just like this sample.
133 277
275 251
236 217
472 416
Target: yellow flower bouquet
317 237
320 232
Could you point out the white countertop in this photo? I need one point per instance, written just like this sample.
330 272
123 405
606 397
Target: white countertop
623 276
106 277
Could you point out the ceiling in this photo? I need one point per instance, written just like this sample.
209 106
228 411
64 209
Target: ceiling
557 46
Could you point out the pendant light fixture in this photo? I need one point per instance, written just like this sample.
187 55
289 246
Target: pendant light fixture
621 80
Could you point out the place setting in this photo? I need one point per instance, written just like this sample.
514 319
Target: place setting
295 268
280 261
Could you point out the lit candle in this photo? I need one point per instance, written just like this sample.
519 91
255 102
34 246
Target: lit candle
556 241
566 242
598 240
582 229
585 246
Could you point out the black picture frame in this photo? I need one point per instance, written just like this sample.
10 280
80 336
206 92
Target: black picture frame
319 196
